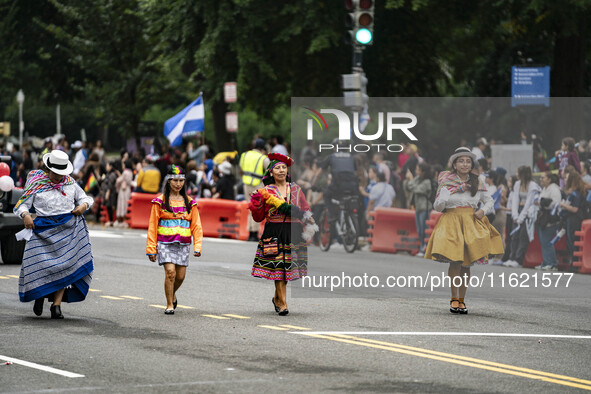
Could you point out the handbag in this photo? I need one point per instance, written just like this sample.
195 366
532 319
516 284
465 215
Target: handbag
270 247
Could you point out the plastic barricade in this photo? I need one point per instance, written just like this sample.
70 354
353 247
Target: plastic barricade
583 255
533 256
105 215
139 208
393 230
431 222
224 218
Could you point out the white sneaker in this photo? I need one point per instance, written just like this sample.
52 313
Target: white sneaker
540 267
511 263
549 268
420 254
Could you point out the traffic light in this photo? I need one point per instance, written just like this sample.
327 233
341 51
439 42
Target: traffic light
355 90
359 21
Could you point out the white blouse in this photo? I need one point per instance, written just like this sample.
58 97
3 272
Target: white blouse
465 199
53 202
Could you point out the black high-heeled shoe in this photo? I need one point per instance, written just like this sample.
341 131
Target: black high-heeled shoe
454 309
38 306
275 305
174 303
283 312
464 310
56 312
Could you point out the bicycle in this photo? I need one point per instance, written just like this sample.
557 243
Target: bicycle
346 225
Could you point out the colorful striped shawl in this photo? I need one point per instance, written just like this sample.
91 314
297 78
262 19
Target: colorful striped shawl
38 182
454 183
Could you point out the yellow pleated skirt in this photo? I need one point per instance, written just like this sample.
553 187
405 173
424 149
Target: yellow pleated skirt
459 237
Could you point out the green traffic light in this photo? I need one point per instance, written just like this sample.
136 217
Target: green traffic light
363 36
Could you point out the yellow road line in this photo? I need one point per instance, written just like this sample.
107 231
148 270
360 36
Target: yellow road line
294 327
131 297
454 359
158 306
470 359
4 277
274 327
236 316
12 276
185 307
94 290
111 297
217 317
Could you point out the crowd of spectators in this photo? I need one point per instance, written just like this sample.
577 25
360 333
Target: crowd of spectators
555 198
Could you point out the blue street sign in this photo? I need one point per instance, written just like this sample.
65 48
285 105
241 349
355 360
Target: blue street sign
530 86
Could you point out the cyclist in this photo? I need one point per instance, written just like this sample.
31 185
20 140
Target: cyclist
343 179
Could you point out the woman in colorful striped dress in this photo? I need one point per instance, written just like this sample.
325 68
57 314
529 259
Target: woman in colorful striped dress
173 220
57 263
282 254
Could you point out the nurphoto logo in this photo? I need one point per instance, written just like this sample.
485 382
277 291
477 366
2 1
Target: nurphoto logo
392 120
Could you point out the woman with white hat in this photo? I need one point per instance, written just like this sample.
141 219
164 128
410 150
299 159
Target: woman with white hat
463 236
57 262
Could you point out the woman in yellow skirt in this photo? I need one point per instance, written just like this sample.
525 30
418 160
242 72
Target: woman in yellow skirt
463 236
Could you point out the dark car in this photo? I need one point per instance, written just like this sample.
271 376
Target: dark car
10 224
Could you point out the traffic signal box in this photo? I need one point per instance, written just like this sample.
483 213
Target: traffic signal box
359 21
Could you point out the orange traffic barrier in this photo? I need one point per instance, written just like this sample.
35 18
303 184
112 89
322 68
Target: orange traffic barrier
533 256
431 222
138 209
105 215
392 230
583 255
224 218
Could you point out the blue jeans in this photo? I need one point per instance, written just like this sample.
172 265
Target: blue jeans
421 222
548 251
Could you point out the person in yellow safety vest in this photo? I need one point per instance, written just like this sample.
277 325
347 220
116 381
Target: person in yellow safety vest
252 168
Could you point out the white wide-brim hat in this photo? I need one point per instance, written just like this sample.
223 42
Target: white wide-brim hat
462 151
58 162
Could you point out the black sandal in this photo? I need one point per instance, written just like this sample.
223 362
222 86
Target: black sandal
275 305
174 303
169 311
464 310
454 309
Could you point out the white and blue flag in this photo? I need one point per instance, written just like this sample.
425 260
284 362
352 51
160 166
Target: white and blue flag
186 123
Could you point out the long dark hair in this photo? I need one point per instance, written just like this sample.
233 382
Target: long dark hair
472 178
183 192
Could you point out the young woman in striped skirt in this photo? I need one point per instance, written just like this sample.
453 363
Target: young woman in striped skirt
57 263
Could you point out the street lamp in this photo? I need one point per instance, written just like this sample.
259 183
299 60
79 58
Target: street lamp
20 99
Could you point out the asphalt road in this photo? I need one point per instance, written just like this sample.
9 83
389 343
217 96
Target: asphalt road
225 336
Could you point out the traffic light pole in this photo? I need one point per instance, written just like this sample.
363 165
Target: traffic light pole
357 59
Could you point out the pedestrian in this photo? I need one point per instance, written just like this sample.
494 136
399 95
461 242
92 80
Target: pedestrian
57 262
252 167
148 177
524 213
123 187
463 236
419 188
575 196
109 190
173 220
567 155
382 194
548 224
282 254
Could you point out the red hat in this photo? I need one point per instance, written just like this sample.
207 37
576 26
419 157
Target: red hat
280 157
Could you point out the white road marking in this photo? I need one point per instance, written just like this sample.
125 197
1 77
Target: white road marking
41 367
418 333
103 234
